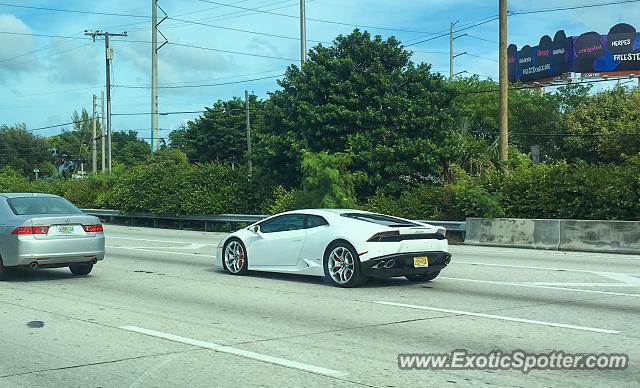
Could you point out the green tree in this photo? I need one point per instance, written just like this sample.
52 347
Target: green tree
220 133
605 127
127 149
23 151
365 97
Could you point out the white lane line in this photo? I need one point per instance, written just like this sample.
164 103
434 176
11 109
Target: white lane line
585 284
149 240
540 286
502 318
603 273
158 251
238 352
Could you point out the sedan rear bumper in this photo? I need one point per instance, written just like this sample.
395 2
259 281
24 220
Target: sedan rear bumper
55 252
401 264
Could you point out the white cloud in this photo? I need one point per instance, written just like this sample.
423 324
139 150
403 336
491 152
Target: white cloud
13 46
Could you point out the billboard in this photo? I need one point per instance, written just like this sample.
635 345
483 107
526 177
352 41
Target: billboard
618 52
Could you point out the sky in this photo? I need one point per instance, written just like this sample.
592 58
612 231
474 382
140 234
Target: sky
49 68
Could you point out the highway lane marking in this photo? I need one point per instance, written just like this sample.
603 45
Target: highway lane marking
603 273
149 240
158 251
238 352
502 318
541 286
584 284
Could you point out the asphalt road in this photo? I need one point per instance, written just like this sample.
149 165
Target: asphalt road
155 313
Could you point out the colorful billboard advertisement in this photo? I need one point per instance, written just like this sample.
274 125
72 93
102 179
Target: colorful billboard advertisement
618 51
550 58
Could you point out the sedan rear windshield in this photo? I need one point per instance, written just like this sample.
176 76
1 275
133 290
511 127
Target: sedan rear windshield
41 205
380 219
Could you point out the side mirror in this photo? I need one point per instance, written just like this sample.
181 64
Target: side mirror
254 229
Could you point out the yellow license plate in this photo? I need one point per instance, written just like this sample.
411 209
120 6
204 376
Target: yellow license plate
420 261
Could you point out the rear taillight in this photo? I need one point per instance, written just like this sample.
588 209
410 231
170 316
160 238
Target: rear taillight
31 230
93 228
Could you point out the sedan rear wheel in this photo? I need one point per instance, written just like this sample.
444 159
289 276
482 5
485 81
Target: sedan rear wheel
342 265
235 257
81 269
3 271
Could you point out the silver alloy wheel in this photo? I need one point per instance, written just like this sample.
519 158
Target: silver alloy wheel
234 257
341 265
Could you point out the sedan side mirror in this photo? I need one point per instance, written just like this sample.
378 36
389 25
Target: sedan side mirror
254 229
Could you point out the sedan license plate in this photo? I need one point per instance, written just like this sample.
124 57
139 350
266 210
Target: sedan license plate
65 229
420 261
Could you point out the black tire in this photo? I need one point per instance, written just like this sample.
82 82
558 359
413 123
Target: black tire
4 272
426 277
351 273
236 257
81 269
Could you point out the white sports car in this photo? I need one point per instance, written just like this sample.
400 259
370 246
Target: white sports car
345 246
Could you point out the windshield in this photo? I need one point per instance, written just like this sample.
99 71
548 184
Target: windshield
380 219
42 205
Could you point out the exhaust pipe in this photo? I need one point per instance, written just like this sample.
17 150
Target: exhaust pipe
94 261
33 265
390 263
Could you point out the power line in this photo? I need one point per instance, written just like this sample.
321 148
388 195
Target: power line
569 8
200 85
199 20
447 33
231 52
481 57
244 31
482 39
74 11
319 20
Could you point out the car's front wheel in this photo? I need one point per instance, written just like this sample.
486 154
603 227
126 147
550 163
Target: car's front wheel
342 265
423 277
81 269
235 257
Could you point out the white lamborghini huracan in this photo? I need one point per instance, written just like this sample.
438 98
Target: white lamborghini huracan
345 246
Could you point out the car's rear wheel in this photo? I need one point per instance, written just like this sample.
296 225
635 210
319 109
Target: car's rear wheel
423 277
342 265
3 271
235 257
81 269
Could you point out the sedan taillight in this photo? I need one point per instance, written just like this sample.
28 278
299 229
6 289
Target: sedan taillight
31 230
93 228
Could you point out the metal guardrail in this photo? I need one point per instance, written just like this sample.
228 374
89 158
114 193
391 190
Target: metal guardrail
452 226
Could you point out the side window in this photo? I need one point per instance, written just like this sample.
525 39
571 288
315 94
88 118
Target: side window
315 221
283 223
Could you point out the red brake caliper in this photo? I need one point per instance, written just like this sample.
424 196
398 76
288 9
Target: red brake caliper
241 259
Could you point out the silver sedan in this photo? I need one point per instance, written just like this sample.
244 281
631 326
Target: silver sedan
47 231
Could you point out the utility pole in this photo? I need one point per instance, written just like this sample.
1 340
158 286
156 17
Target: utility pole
504 123
94 148
246 99
154 71
108 54
102 130
303 34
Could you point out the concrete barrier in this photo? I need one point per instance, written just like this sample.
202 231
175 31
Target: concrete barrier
571 235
